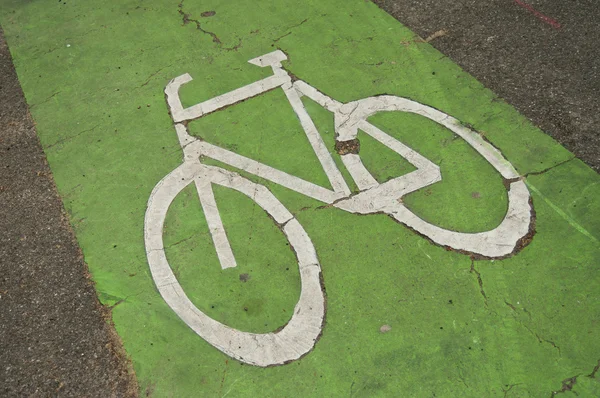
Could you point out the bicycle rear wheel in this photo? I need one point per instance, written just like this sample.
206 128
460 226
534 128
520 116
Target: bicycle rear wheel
496 243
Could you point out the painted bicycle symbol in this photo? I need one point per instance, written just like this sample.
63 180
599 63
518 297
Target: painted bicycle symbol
300 334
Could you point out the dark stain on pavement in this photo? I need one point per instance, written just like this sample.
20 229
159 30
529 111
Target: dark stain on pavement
244 277
346 147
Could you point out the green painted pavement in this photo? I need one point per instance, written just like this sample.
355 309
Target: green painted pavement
94 78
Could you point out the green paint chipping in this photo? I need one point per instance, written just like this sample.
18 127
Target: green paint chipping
521 327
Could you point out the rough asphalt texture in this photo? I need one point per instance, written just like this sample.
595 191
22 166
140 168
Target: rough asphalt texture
551 75
54 339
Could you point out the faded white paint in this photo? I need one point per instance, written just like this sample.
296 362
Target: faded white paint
316 141
215 225
299 336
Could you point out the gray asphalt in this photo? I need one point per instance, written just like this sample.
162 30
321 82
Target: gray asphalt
550 74
55 337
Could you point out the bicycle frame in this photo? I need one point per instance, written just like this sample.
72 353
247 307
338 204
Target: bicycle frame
373 196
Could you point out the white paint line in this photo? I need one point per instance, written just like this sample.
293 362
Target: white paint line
221 101
304 250
358 171
328 103
413 157
352 114
386 196
258 193
498 242
172 93
316 141
268 173
271 59
183 135
345 121
215 225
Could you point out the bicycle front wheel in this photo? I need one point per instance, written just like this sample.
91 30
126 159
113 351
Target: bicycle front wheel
294 339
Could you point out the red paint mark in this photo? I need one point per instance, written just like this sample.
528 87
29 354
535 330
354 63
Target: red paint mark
550 21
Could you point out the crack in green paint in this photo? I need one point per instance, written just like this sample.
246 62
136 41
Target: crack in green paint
564 215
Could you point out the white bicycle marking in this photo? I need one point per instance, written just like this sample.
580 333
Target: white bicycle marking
215 225
359 173
316 141
267 172
298 337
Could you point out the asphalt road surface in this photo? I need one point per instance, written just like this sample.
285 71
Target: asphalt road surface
55 338
541 56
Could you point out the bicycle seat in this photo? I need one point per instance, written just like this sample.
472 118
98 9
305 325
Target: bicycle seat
271 59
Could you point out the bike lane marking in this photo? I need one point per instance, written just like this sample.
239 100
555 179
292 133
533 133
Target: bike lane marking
106 209
295 338
267 349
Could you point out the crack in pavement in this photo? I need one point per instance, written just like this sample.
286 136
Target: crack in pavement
510 387
537 336
182 240
541 339
154 74
111 307
535 173
567 385
473 270
46 100
594 371
290 30
63 140
186 18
